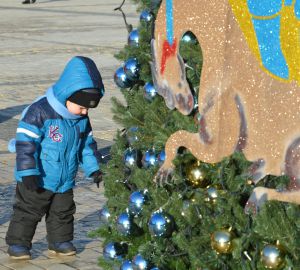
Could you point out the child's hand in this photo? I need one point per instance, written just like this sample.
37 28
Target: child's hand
31 182
97 177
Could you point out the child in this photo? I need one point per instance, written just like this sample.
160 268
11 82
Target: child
53 137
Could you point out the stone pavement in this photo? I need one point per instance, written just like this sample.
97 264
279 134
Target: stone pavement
37 40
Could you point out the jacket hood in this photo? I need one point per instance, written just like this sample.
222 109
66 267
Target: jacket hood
80 73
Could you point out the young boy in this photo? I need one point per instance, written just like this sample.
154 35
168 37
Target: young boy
53 138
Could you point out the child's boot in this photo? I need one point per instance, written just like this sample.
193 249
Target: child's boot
62 248
19 252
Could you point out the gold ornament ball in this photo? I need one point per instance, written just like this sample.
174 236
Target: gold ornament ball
272 257
196 176
221 241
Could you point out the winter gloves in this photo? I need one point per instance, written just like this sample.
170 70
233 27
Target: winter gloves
31 182
97 177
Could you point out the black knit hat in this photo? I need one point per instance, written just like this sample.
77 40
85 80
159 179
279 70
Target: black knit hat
88 98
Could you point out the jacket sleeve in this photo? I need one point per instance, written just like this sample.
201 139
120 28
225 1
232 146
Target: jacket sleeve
88 160
28 139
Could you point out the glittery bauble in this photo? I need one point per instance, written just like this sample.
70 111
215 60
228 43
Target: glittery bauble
189 37
121 79
139 263
104 215
272 257
161 224
125 224
133 38
154 268
113 250
132 69
149 91
126 265
149 158
221 241
137 200
146 16
196 176
130 157
131 135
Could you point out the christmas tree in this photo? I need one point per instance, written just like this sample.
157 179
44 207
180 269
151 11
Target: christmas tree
195 219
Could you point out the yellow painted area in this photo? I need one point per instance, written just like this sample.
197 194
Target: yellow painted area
289 36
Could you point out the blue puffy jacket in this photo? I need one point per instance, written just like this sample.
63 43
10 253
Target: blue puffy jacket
52 142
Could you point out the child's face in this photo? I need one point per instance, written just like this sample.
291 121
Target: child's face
76 109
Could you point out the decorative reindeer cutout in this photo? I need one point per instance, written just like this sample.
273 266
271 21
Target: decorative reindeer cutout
249 95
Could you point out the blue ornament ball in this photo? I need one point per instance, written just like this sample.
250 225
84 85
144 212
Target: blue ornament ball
154 268
161 157
132 135
124 224
137 200
130 158
139 263
161 224
149 158
121 79
132 69
12 145
149 91
126 265
146 16
104 215
133 38
189 38
113 250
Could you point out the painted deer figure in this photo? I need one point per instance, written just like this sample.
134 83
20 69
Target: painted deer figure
249 98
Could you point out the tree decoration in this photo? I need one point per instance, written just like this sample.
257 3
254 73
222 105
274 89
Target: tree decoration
212 193
149 158
126 265
136 202
221 241
114 250
104 216
161 224
196 176
132 69
130 157
121 79
149 91
272 256
131 135
125 223
133 38
139 263
146 16
189 38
